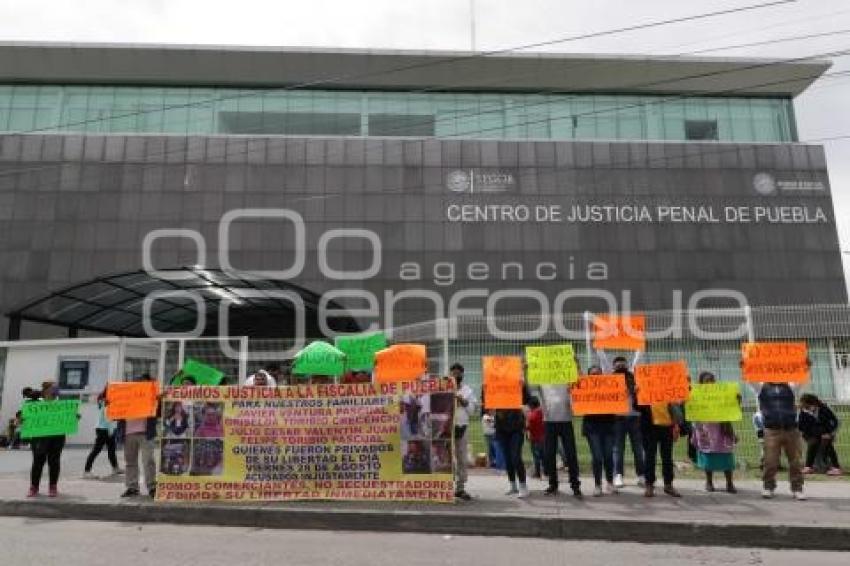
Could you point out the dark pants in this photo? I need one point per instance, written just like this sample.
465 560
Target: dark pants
600 439
537 455
564 433
655 439
623 427
511 445
46 449
103 438
823 447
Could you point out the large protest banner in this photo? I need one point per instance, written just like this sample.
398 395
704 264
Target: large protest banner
551 365
502 384
612 332
714 403
600 395
665 382
131 400
49 418
364 441
775 362
360 349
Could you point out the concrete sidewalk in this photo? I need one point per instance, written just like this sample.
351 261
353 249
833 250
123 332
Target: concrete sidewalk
701 518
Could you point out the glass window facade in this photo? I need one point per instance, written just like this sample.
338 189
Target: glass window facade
198 111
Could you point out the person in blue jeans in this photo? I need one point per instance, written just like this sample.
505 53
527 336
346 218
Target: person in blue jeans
599 430
494 451
626 425
510 434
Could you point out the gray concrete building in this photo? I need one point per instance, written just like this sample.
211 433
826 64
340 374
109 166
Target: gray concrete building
398 187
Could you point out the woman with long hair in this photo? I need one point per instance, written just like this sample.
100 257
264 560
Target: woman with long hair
715 444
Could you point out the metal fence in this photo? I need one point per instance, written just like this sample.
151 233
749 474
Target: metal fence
706 339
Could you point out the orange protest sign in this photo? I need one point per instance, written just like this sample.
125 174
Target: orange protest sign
775 362
612 332
400 362
502 382
600 395
131 400
662 383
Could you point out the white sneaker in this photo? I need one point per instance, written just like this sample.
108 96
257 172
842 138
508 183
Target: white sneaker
512 491
597 491
523 491
618 481
117 472
641 481
767 493
610 488
800 495
89 476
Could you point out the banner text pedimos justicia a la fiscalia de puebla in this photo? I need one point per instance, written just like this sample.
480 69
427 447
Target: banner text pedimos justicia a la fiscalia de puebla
389 441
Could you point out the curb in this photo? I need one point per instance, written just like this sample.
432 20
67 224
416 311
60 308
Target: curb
830 538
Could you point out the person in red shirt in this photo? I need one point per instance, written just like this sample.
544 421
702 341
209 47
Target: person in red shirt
534 428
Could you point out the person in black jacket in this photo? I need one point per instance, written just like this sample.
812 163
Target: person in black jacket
818 424
510 434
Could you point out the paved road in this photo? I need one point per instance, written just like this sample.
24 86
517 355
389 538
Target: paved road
89 543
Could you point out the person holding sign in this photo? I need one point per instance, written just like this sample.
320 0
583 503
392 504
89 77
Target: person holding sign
104 436
715 444
139 435
506 393
777 403
558 427
46 449
627 425
599 430
466 405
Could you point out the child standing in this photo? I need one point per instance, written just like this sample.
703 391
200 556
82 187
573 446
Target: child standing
715 444
536 434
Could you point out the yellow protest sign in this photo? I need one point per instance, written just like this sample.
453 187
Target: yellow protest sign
551 365
714 403
775 362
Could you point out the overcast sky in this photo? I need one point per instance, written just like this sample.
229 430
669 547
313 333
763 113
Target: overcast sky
823 111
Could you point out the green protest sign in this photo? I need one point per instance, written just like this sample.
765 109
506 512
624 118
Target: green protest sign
202 373
714 403
319 358
360 350
49 418
551 365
